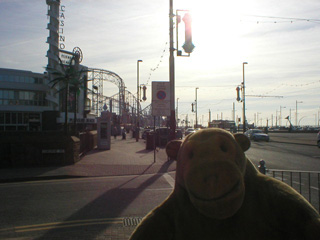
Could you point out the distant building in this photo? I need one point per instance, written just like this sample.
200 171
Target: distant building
224 124
27 103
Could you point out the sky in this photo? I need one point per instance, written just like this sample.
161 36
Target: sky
278 39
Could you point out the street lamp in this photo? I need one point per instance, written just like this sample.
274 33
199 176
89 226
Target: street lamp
177 113
258 118
96 88
196 107
280 116
244 99
138 99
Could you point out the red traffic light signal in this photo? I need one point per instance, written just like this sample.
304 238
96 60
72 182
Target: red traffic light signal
188 45
144 88
238 93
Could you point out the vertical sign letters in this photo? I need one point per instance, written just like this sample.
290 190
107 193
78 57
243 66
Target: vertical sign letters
62 18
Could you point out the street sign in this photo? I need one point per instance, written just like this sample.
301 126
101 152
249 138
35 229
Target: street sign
161 98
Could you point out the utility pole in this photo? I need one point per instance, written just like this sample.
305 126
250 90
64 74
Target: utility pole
196 108
171 75
177 113
244 99
233 112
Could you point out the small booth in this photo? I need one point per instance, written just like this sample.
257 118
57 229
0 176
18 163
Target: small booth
104 131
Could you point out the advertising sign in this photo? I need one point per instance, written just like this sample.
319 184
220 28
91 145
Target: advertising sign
65 57
161 98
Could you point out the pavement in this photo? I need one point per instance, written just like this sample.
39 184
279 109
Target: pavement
126 157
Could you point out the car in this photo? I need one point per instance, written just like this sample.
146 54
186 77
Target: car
190 130
257 135
318 139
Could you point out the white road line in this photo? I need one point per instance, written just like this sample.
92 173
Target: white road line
169 179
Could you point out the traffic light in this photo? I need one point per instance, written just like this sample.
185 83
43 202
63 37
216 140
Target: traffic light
192 107
238 93
188 45
144 88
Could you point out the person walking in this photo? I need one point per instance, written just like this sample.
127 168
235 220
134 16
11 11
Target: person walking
115 130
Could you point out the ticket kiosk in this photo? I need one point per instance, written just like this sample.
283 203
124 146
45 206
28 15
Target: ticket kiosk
104 131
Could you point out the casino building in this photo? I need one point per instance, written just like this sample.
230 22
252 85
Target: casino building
27 102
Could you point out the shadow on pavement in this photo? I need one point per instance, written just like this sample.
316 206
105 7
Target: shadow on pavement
99 209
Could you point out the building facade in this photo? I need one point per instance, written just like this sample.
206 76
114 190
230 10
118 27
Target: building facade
22 100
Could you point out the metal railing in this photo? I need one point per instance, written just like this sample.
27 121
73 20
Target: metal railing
307 183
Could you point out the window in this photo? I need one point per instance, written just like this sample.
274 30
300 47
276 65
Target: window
20 118
1 118
26 118
14 118
11 94
8 118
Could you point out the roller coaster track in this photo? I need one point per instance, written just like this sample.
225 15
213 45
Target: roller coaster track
123 103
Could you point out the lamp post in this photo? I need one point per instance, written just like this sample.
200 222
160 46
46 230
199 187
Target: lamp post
138 99
96 88
258 118
177 114
280 115
172 74
196 107
297 112
244 98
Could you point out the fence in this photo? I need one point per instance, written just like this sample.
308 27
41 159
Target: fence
307 183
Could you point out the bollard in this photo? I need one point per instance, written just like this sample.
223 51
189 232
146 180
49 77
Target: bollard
262 166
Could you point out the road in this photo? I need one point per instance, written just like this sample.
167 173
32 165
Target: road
84 208
110 207
285 156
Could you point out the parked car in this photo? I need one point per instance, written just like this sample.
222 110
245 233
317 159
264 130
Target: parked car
257 135
318 139
189 130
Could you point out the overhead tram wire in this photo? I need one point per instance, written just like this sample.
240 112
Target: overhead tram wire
287 19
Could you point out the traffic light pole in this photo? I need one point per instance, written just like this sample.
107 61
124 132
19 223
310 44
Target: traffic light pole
244 99
172 76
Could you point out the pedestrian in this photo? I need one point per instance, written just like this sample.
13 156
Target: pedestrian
115 130
124 134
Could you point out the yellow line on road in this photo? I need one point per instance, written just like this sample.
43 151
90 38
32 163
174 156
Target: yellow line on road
67 224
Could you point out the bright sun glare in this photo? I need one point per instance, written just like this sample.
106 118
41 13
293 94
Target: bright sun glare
217 28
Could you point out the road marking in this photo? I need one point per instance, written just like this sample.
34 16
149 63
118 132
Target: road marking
76 179
169 179
159 189
67 224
